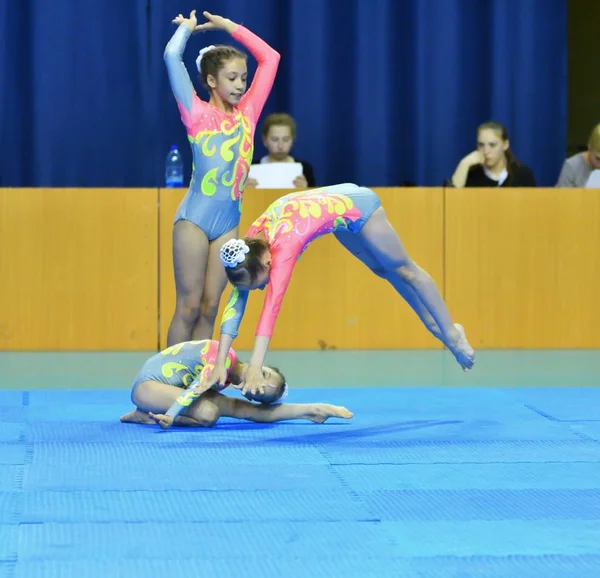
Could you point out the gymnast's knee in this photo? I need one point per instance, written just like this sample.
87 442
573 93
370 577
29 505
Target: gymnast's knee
143 396
408 272
189 306
209 307
381 272
206 414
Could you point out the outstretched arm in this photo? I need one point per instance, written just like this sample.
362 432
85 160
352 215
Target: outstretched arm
184 401
230 324
242 409
281 275
231 321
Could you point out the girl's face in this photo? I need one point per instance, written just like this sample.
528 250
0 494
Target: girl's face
594 158
272 383
278 141
231 81
491 146
263 278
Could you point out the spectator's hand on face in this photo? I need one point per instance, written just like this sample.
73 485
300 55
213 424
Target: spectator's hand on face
474 158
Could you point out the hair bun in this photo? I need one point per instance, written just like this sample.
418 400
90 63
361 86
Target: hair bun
202 53
233 252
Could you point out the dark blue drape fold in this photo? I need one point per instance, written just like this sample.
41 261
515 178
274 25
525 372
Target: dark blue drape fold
383 91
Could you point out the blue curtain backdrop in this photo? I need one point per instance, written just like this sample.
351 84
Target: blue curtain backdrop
383 91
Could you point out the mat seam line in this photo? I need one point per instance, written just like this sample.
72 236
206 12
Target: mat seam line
352 493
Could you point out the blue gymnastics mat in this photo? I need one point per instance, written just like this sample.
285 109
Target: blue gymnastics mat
422 482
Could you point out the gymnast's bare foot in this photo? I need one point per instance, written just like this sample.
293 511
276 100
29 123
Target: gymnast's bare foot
164 421
321 412
137 416
461 349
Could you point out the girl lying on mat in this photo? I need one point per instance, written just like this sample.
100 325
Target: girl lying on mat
267 255
171 388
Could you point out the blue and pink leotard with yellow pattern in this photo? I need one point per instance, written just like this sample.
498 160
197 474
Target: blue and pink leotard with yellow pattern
290 224
222 144
184 365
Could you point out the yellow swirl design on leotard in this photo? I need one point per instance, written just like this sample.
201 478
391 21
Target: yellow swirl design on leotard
228 178
173 350
244 160
170 368
286 214
226 153
232 147
247 144
229 311
229 125
210 181
186 398
205 138
242 183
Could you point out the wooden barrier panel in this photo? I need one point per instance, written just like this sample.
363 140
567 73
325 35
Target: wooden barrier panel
333 300
79 269
523 266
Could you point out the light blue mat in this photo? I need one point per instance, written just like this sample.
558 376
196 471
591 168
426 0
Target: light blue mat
439 482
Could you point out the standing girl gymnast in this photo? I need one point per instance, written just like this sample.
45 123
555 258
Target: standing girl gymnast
221 134
266 257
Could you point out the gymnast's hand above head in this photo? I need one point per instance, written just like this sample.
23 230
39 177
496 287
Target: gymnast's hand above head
190 22
215 23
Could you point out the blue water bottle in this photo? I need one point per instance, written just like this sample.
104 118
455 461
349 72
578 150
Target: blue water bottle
174 168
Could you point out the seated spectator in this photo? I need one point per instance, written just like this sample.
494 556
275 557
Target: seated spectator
576 170
493 163
278 135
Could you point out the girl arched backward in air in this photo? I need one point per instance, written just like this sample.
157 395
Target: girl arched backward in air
221 134
266 257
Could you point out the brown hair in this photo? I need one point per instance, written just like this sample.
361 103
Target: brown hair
278 119
501 131
213 60
246 272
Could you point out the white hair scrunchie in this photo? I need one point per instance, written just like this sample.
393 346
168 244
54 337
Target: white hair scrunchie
234 252
283 395
201 54
285 392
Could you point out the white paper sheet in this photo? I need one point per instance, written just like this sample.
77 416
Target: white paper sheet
275 175
593 181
